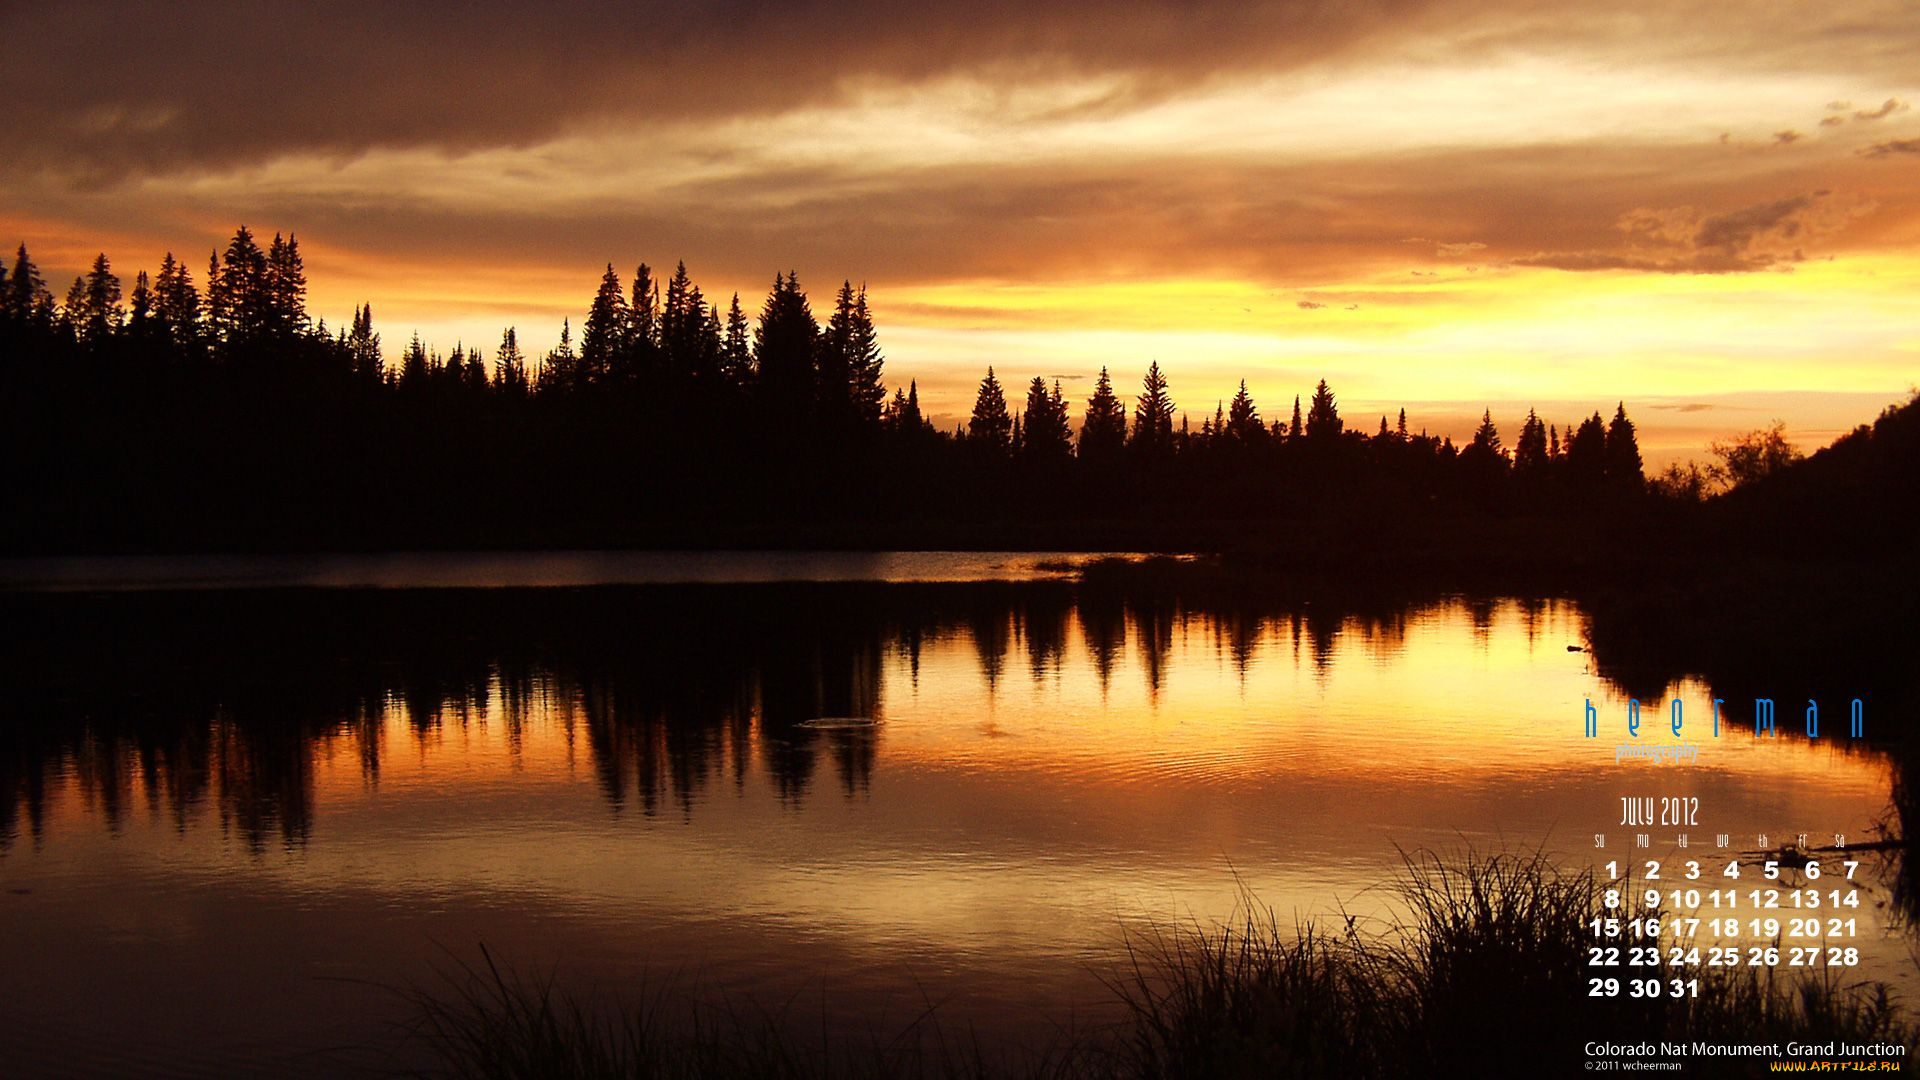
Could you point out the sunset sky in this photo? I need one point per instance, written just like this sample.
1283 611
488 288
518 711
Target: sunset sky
1709 210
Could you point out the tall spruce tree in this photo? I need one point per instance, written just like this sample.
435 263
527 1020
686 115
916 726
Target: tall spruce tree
783 346
416 369
1103 430
1486 438
558 372
510 366
643 328
682 332
991 428
1243 419
736 350
1587 452
833 373
73 310
1323 416
910 420
1530 453
363 348
177 302
100 312
1153 415
1623 466
140 305
26 295
864 362
1047 436
238 297
603 337
286 287
708 361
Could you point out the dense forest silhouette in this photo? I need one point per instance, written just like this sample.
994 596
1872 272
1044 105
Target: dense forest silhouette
219 415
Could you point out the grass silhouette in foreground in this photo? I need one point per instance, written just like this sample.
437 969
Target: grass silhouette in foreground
1484 974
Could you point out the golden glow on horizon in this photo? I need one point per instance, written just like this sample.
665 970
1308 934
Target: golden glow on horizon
1361 212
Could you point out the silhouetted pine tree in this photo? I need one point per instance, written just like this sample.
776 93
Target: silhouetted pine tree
73 310
364 358
416 370
638 357
177 302
1243 419
1484 452
1103 430
708 361
100 312
603 337
736 351
990 430
238 303
1153 416
140 316
865 362
1587 453
849 386
286 288
783 345
1046 436
452 375
558 372
1323 416
1294 430
473 375
1530 453
27 298
510 366
689 342
907 419
1622 466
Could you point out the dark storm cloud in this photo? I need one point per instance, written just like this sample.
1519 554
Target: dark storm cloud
1764 236
1892 146
106 89
100 91
1295 226
1736 233
1889 107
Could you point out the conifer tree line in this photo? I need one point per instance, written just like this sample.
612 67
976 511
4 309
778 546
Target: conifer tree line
192 404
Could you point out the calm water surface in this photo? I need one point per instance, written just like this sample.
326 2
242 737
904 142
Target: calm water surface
230 818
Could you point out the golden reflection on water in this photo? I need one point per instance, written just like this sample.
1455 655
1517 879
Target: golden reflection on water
1031 782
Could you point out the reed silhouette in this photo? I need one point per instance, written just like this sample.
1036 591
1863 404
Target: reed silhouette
1484 974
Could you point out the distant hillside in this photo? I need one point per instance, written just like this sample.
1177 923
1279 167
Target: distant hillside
1860 496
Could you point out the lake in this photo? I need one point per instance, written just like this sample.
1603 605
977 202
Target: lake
241 801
